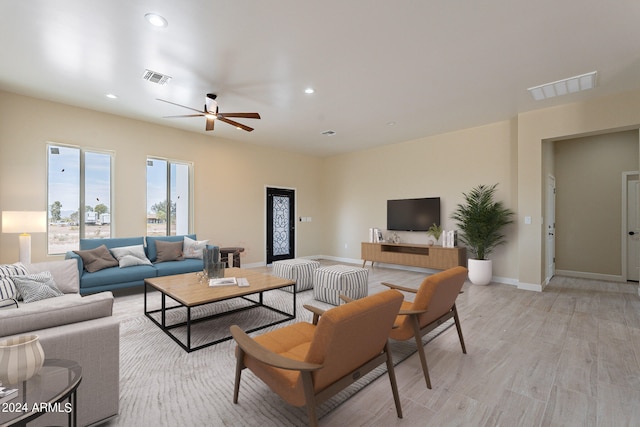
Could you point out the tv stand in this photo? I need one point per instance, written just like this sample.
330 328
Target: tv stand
414 255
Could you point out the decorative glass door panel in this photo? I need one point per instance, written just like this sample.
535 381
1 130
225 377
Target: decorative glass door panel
280 224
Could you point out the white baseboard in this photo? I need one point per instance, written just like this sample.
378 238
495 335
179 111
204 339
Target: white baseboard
592 276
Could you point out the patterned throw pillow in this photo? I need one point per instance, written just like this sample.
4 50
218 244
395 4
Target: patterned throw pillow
36 287
7 286
194 248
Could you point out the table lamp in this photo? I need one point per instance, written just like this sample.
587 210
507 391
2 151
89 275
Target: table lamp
24 223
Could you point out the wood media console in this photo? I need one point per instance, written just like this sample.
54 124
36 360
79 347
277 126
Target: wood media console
414 255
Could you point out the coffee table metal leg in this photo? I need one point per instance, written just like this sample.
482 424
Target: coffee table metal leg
188 328
164 309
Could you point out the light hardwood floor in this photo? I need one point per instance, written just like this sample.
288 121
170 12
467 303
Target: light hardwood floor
568 356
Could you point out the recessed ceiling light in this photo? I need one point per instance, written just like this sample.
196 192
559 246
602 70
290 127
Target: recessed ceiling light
156 20
309 90
111 96
564 86
391 123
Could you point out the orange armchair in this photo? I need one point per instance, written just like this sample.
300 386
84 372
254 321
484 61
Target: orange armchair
434 303
307 363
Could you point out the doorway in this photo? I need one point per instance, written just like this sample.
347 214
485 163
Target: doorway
280 224
550 223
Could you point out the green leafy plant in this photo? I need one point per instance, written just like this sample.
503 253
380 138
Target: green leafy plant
481 220
435 231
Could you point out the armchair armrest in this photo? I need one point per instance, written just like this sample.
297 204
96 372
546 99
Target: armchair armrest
266 356
346 298
409 312
400 288
317 312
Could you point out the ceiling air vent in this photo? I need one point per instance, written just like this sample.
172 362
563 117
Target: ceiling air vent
155 77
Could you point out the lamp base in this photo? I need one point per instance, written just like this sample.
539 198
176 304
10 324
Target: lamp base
25 248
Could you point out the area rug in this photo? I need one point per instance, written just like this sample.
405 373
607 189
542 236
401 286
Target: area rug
161 384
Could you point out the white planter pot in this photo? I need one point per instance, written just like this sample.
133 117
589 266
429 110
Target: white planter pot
480 271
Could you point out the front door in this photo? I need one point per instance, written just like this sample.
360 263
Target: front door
280 224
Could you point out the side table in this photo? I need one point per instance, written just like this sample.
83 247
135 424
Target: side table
231 256
57 381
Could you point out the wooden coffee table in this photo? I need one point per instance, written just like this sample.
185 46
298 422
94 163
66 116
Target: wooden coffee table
190 292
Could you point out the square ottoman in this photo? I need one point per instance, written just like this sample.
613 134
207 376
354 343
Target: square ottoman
299 269
331 282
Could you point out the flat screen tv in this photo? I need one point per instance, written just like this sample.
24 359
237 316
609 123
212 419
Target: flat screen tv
413 214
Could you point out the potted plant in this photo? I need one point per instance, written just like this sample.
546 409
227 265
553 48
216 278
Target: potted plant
481 220
435 231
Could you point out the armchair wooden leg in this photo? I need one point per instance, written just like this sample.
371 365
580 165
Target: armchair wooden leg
309 397
423 357
392 379
459 328
239 368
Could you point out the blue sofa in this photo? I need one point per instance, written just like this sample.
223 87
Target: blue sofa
113 278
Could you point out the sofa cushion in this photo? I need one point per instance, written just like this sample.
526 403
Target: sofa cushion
168 251
7 286
179 267
97 259
151 243
111 276
36 287
67 309
128 256
65 273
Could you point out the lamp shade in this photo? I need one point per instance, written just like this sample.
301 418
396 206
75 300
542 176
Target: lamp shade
24 221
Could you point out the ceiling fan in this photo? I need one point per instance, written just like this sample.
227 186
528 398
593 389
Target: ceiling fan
211 113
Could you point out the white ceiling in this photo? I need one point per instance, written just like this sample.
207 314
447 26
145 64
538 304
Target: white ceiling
429 66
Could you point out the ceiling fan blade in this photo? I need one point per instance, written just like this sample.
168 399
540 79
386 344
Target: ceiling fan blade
236 124
179 105
243 115
210 122
182 115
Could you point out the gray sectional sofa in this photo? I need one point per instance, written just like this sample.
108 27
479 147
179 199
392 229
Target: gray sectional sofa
115 277
75 328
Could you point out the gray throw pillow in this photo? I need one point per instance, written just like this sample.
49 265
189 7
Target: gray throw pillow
128 256
97 259
169 251
36 287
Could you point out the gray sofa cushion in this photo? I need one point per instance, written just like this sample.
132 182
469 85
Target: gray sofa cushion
48 313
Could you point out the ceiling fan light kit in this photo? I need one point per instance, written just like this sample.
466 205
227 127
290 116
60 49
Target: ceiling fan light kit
211 114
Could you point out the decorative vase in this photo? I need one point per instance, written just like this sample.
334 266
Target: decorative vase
480 271
20 358
211 259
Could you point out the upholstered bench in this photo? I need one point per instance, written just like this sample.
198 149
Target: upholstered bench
298 269
331 282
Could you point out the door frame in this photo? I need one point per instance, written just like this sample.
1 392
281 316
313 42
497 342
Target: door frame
626 177
266 215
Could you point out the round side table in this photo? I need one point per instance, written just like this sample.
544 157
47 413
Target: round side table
57 381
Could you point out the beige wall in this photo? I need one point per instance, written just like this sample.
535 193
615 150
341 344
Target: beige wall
620 112
230 177
345 194
588 174
359 184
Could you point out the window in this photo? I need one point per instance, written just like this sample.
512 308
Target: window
79 196
168 197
